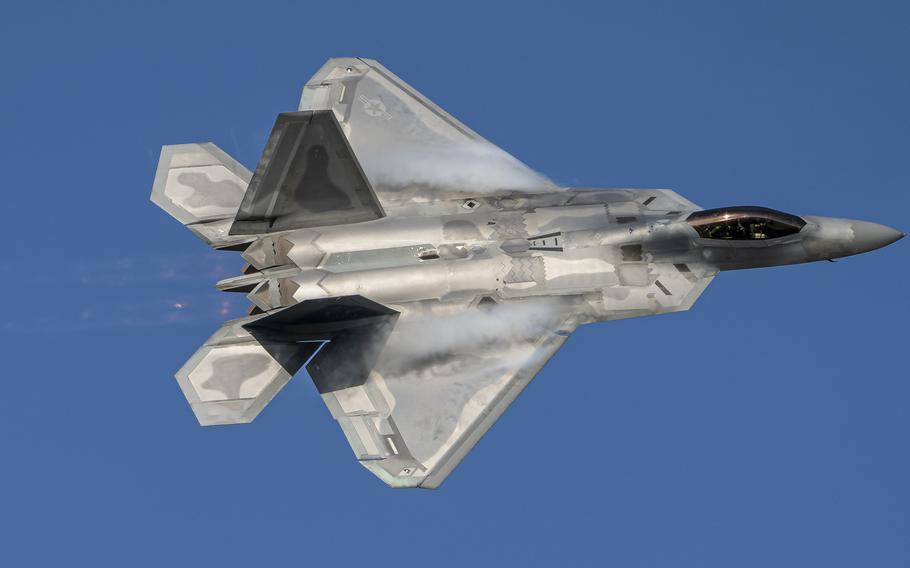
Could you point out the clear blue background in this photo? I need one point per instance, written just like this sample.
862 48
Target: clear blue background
768 426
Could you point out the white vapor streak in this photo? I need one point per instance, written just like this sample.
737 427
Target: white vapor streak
477 330
477 168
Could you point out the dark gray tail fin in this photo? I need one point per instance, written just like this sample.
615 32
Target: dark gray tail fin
307 176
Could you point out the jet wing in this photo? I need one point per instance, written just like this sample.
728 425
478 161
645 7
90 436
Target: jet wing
413 390
365 145
409 148
438 385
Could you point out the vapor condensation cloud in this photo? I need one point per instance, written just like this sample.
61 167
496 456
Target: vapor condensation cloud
498 338
475 168
477 330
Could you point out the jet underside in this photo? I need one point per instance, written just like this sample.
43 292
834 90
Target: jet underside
421 275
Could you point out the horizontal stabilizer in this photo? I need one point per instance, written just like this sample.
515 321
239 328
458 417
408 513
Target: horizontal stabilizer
235 374
231 378
202 187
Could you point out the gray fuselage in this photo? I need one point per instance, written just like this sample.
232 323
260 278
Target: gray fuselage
610 250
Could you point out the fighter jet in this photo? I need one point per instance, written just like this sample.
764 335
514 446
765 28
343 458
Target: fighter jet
423 276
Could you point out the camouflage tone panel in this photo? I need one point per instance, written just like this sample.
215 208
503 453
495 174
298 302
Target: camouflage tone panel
441 381
202 187
231 378
650 288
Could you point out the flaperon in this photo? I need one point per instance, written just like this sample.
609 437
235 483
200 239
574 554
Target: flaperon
423 276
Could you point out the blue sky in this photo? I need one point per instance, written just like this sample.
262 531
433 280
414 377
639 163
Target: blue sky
766 427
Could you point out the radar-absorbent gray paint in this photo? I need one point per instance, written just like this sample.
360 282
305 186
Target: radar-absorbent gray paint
423 276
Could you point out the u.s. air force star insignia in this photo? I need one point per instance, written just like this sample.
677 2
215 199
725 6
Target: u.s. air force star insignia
374 107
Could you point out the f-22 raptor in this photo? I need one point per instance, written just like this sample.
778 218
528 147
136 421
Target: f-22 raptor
423 276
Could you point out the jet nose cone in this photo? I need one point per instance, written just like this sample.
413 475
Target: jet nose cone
870 236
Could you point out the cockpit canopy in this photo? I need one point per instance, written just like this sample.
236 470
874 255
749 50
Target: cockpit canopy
744 223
